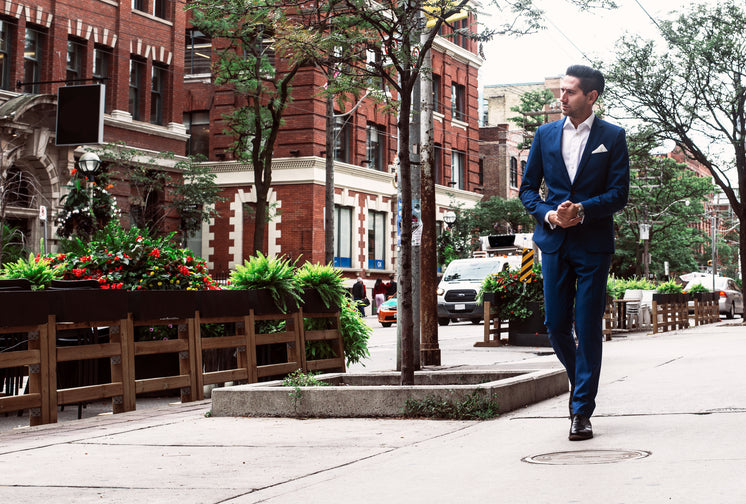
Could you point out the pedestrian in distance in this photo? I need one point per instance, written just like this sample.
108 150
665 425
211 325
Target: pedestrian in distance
358 295
584 163
379 293
391 286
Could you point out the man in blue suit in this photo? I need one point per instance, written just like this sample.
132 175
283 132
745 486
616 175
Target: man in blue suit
583 162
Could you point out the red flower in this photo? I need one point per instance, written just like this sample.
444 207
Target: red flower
155 252
78 272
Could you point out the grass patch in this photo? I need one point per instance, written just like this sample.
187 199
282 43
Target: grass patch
474 406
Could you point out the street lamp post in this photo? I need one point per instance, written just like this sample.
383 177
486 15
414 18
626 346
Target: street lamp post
89 163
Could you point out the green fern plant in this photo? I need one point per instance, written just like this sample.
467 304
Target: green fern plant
324 279
35 269
277 275
670 287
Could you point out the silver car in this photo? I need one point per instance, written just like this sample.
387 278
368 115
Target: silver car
731 297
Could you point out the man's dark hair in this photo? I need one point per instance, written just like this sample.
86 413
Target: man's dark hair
590 78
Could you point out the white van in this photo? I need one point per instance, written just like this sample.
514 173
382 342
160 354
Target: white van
461 282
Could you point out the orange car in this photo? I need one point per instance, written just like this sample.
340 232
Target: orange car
387 312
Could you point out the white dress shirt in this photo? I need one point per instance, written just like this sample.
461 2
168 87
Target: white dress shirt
573 143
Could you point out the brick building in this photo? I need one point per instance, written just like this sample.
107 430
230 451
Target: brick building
138 51
365 154
160 97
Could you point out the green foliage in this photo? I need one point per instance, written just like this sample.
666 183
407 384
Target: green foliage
274 274
355 333
324 279
512 295
158 193
670 197
475 406
533 103
686 87
670 287
698 288
87 207
132 260
616 287
40 271
298 379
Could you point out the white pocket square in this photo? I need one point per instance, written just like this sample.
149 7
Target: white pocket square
599 149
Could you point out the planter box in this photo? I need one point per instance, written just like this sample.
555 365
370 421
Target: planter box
224 303
530 331
670 298
86 305
312 303
162 304
263 303
23 308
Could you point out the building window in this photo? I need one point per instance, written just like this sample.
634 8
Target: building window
437 163
198 52
375 142
157 89
101 68
376 240
32 60
458 103
461 32
198 128
523 169
513 172
457 169
342 138
437 107
160 8
138 5
75 55
137 74
343 237
7 31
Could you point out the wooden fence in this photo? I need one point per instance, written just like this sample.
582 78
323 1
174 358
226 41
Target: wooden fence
53 339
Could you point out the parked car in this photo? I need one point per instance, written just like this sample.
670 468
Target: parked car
461 282
387 312
731 297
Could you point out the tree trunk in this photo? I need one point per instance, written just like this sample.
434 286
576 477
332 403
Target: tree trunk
404 298
329 194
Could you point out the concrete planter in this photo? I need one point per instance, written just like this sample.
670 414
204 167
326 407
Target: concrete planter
379 395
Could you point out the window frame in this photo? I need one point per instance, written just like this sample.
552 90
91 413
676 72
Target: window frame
32 66
157 93
458 161
75 70
343 245
458 101
136 91
342 138
7 38
375 146
513 172
197 43
376 247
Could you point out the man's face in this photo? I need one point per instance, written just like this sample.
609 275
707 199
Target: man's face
575 104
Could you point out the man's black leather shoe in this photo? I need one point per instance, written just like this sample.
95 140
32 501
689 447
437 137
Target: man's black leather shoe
580 428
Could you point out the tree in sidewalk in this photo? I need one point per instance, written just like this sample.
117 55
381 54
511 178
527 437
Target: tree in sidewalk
534 111
692 90
260 47
668 196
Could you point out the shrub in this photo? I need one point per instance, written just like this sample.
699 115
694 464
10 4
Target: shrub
274 274
129 259
513 295
472 407
698 288
324 279
40 271
670 287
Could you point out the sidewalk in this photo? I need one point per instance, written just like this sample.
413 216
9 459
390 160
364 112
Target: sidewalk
669 427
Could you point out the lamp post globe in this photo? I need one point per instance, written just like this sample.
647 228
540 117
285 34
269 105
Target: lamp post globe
449 217
89 163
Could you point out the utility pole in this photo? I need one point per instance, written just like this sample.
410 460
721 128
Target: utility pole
329 188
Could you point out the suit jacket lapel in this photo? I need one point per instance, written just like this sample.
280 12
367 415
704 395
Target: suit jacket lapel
556 147
590 145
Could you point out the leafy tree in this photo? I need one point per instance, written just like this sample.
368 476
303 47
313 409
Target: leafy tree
262 48
533 113
157 191
668 196
692 90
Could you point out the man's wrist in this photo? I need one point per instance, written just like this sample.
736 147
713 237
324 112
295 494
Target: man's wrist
581 211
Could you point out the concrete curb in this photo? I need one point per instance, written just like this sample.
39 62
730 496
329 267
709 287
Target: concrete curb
379 395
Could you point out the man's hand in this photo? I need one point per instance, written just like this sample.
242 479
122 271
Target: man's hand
566 215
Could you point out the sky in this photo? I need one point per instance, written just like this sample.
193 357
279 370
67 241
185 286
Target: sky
569 35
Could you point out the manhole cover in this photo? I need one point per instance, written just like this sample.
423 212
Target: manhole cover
584 457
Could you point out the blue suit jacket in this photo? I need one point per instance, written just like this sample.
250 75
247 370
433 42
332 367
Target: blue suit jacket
601 185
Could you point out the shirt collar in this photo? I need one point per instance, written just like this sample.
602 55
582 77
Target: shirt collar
588 123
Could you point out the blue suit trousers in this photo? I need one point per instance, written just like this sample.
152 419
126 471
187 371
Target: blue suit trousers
575 295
